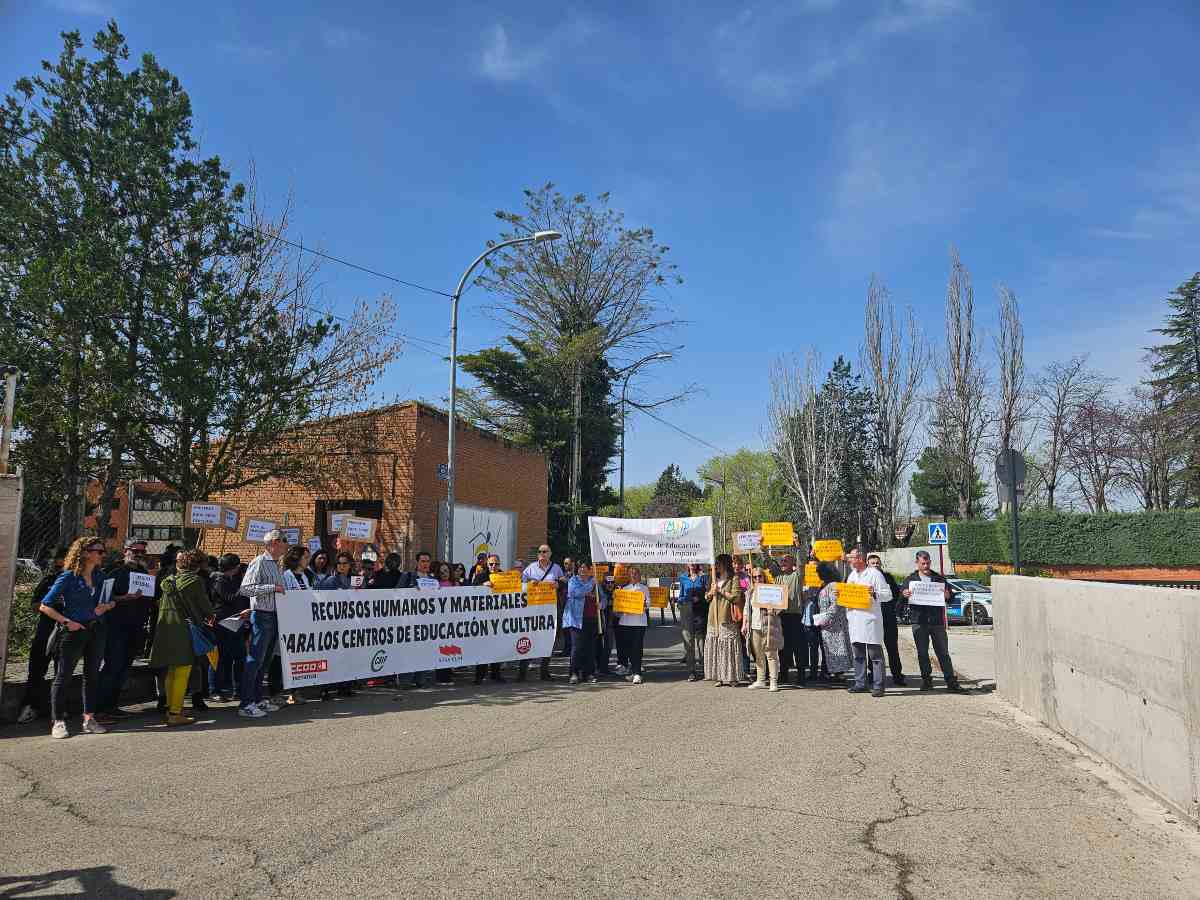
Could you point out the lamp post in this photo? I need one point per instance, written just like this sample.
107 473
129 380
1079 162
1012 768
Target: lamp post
536 237
628 371
711 479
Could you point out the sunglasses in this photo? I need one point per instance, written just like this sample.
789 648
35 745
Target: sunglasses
95 549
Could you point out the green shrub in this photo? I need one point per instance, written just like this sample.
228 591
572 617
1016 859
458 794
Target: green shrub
22 623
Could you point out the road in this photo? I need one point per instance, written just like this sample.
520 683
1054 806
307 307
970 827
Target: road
668 789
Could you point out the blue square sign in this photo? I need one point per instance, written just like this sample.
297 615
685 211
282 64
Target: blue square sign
939 533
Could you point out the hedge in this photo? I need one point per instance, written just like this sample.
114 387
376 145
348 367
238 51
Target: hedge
1170 538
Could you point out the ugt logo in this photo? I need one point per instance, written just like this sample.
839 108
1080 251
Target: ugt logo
378 660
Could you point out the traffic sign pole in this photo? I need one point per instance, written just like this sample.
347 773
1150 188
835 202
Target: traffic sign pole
941 562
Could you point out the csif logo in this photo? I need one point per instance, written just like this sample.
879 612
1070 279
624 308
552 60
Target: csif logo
378 660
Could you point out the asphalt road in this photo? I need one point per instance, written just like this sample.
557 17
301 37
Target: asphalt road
668 789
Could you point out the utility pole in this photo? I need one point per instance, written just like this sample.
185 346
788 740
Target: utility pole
10 399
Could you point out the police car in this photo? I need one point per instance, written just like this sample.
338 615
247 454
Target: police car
970 602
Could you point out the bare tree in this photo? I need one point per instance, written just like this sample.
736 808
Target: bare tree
959 417
1155 447
894 358
1060 390
1095 448
1014 401
802 439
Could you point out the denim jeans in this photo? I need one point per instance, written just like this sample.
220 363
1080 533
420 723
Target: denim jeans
39 662
583 649
264 629
118 657
226 678
87 644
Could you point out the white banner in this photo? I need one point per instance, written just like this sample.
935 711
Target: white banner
651 540
926 593
333 636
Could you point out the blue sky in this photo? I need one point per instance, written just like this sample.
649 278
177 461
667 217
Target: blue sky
785 151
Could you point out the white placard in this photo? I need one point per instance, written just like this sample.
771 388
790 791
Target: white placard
291 535
746 541
770 596
926 593
232 517
354 528
687 540
336 519
356 581
332 636
233 623
106 590
425 583
314 545
140 582
203 515
256 530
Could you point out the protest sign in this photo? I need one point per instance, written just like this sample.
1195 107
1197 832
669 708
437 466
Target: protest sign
747 541
334 519
505 582
256 530
620 574
202 515
231 518
853 596
426 583
291 535
684 540
828 550
600 569
356 581
811 578
540 592
631 603
314 545
660 597
778 534
770 596
106 590
141 583
926 593
357 528
326 637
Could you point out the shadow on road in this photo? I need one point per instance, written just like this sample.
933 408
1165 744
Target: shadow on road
94 882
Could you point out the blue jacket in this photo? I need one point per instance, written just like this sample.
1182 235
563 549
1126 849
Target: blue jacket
687 583
74 597
578 592
334 582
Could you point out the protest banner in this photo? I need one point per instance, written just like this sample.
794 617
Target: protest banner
231 518
256 530
358 529
683 540
334 519
811 578
778 534
770 596
853 596
540 592
291 535
505 582
326 637
926 593
631 603
747 541
660 597
828 550
139 583
202 515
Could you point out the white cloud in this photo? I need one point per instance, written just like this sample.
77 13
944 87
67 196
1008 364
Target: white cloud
503 61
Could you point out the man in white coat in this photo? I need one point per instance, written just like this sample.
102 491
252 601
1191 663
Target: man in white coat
866 625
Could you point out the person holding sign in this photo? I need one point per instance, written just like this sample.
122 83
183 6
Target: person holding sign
723 642
928 610
262 583
765 632
866 625
126 626
491 566
631 626
581 621
542 569
693 584
795 640
831 620
891 631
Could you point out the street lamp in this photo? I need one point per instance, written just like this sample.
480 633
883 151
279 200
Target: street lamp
536 238
712 479
628 372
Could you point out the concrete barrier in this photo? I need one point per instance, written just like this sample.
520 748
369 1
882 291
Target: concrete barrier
1115 667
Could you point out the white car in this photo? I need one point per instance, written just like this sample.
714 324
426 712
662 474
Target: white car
970 602
28 567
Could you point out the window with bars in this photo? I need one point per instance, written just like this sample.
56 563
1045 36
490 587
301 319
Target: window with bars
156 532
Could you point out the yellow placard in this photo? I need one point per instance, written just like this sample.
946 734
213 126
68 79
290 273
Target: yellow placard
541 592
828 550
505 582
600 569
767 576
811 578
777 534
621 574
853 596
660 597
631 603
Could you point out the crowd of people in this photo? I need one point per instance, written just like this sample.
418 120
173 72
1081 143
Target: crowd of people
92 612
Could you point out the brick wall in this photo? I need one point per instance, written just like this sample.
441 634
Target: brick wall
1095 573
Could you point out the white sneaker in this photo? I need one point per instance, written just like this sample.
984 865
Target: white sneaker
268 707
91 726
251 712
28 714
637 679
59 730
774 688
756 684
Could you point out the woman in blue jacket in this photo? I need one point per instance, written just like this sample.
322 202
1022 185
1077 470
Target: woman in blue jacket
581 620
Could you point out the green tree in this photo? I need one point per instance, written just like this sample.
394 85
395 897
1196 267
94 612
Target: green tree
935 487
673 495
1176 369
741 492
852 516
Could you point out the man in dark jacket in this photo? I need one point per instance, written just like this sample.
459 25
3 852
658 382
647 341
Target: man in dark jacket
34 704
480 578
929 623
891 634
228 603
125 627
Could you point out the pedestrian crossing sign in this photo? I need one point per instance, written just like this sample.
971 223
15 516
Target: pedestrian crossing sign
939 533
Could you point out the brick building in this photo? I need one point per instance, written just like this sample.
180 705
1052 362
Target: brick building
390 473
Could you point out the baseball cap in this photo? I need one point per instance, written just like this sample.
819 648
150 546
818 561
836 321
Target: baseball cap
134 542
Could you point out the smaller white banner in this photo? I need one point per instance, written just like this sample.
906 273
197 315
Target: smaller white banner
685 540
141 583
926 593
745 541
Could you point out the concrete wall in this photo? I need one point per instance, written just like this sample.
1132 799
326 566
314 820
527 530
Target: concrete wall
1115 667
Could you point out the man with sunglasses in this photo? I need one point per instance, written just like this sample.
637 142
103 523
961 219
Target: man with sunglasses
491 567
543 569
262 583
126 625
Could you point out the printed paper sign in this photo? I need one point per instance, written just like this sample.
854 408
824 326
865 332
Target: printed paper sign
621 574
291 535
629 602
427 583
231 517
778 534
683 540
540 592
326 637
770 596
356 581
746 541
828 550
355 528
811 578
335 519
926 593
660 597
853 596
314 545
256 530
139 582
506 582
106 590
202 515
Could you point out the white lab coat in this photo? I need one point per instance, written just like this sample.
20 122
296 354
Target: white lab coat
866 625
